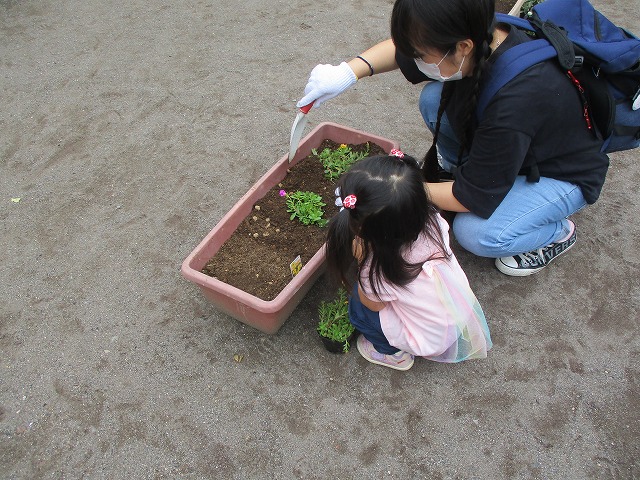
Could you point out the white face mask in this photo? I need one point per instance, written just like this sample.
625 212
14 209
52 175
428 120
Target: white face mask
432 70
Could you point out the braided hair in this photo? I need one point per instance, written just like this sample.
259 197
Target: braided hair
440 25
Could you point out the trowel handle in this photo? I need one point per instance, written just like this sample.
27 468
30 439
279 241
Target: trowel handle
307 107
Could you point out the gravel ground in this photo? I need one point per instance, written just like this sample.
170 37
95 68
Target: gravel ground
128 130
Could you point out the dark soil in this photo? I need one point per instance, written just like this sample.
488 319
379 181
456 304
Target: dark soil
257 256
503 6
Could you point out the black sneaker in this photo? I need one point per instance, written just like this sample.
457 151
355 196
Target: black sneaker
532 262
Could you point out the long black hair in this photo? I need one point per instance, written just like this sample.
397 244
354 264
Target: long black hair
391 211
441 24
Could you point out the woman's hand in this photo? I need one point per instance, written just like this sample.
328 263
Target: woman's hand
326 82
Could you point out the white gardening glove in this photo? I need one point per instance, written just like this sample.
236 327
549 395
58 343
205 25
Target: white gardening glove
325 82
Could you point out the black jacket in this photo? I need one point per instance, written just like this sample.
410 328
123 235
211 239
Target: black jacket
534 120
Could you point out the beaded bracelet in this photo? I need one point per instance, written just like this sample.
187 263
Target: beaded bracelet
368 64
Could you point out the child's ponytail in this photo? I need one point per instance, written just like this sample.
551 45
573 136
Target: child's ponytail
340 260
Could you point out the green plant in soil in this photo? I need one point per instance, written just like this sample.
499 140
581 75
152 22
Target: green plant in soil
339 160
525 10
307 207
334 321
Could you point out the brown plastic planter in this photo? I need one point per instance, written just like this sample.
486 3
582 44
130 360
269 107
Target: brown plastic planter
266 316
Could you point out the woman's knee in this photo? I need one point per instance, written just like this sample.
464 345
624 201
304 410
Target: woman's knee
479 236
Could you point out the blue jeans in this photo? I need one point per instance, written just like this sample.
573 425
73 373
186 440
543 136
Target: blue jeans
531 216
367 322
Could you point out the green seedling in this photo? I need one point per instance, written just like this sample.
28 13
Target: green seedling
334 321
527 6
307 207
337 161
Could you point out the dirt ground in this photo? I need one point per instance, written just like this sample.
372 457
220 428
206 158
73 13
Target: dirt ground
127 130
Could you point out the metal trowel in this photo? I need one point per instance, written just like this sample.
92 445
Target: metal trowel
297 129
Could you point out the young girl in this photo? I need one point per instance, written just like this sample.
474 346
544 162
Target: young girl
518 172
410 295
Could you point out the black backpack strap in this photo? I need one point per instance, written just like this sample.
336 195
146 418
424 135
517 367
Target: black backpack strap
557 37
627 131
628 85
534 174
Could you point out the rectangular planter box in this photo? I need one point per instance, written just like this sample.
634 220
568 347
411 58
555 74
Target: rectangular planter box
267 316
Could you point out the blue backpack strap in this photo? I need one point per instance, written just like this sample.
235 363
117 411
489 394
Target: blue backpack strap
521 23
509 65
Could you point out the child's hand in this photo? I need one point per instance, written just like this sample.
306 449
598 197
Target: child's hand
357 249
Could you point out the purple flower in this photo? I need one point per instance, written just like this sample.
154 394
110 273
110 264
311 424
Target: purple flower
283 193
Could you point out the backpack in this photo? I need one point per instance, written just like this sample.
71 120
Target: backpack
601 59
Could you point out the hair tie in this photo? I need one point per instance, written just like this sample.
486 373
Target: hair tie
338 199
396 152
350 202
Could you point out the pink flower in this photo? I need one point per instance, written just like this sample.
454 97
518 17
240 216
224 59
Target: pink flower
283 193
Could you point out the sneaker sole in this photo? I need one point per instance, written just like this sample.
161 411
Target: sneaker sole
514 272
373 360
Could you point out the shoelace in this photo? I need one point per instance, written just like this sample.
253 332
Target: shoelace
529 258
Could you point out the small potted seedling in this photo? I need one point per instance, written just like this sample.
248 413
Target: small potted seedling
334 327
337 161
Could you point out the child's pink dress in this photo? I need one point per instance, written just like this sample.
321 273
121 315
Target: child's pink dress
436 316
